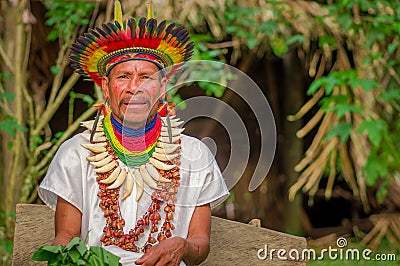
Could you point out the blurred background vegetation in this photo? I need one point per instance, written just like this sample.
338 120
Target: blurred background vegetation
329 69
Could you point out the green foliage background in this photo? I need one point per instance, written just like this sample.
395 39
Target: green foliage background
351 51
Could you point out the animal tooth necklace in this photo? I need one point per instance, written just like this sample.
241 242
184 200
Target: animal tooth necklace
159 169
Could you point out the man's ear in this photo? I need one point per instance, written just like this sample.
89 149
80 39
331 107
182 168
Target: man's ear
104 87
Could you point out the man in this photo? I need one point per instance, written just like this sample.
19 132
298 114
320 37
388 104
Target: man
133 183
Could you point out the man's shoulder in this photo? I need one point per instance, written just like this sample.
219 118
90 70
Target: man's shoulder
74 144
187 140
189 143
75 140
194 149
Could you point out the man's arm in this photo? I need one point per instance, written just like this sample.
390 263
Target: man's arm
192 250
67 222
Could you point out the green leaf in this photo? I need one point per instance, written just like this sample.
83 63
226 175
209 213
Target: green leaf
315 85
393 94
341 129
8 77
331 83
376 130
342 109
251 43
104 256
374 168
337 99
392 47
180 103
326 40
47 253
8 96
366 84
74 255
88 99
74 242
10 126
279 46
58 135
53 35
382 192
55 70
9 145
9 247
297 38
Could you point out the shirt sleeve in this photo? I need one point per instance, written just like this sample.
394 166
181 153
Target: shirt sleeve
206 185
214 190
64 177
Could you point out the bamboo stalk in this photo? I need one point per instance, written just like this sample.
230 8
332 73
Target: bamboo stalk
310 125
52 108
60 63
6 59
347 169
307 106
320 162
17 163
74 126
332 175
41 167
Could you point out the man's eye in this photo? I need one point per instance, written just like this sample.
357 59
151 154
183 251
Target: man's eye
122 77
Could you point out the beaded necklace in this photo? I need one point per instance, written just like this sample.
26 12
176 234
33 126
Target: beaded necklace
165 180
136 146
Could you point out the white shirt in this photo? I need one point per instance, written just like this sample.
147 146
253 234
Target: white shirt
71 177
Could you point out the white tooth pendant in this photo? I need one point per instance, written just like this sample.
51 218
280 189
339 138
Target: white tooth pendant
102 162
98 137
106 167
166 139
97 157
128 185
155 174
164 157
89 125
176 123
95 147
164 118
139 183
165 150
174 131
167 145
161 165
120 180
146 177
111 178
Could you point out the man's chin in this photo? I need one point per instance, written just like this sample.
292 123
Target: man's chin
135 121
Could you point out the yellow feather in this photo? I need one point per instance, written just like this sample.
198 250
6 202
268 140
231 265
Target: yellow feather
150 10
118 12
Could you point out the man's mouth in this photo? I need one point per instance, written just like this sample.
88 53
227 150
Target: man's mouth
136 104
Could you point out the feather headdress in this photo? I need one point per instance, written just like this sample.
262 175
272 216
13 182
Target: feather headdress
95 53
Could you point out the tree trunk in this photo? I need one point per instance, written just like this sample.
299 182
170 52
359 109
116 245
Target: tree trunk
292 147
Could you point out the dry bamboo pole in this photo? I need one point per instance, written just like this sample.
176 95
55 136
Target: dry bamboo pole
17 159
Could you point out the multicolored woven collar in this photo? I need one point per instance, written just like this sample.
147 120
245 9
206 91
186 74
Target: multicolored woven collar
133 147
95 53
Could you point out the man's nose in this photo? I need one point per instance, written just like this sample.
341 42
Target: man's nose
134 85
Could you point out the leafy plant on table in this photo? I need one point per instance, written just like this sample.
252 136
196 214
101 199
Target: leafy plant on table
75 253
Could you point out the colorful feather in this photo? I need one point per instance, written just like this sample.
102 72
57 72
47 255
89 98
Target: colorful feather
94 53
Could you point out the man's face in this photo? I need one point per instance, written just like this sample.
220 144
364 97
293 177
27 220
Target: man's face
134 88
